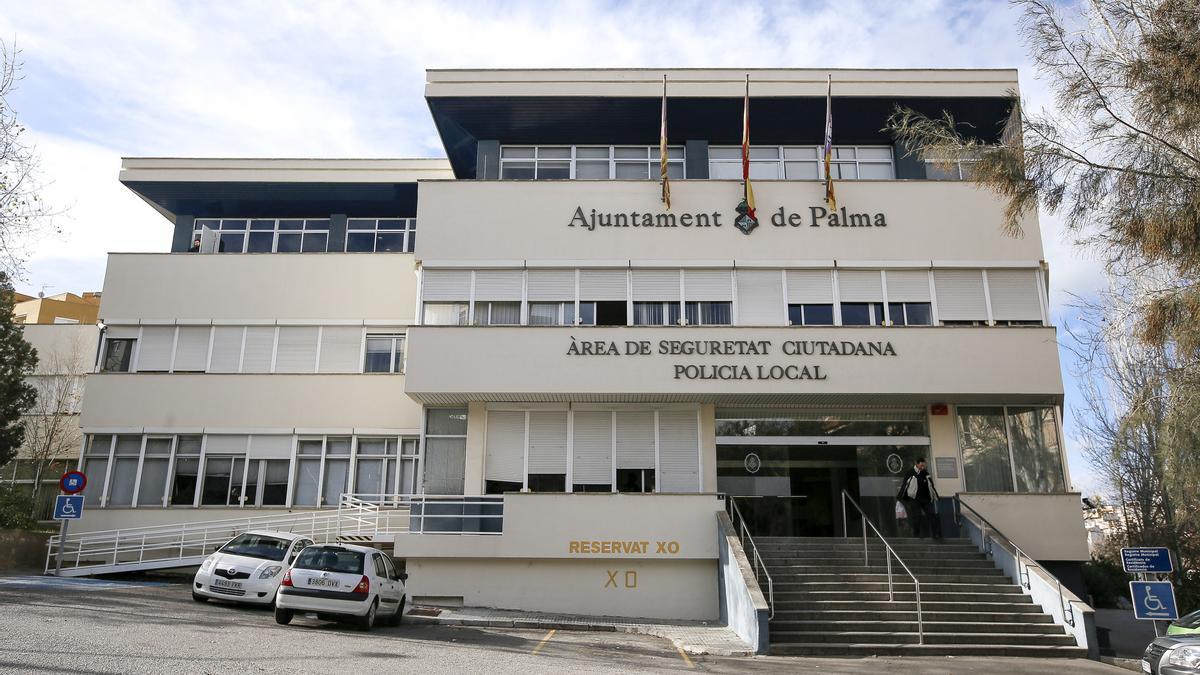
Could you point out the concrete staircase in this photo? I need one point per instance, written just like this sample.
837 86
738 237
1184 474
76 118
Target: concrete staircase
828 603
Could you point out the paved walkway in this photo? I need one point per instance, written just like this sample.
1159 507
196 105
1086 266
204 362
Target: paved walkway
694 637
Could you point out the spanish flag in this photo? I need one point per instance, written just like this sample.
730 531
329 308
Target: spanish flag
662 150
748 189
830 198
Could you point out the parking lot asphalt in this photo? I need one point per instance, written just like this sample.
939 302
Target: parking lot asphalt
87 626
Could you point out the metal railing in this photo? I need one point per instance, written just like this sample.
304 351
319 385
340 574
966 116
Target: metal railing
889 552
1024 562
751 549
435 514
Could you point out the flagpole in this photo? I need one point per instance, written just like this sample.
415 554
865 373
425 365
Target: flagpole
662 150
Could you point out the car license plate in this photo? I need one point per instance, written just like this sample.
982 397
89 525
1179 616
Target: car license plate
226 584
324 583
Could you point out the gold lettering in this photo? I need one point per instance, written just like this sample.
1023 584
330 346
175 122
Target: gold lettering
612 578
573 547
631 579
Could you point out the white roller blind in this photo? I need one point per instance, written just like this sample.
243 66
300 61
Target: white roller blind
121 332
221 444
960 295
226 349
656 285
592 448
446 285
260 343
548 442
551 284
154 349
505 446
297 350
678 452
635 440
1014 295
270 447
602 285
708 285
760 298
340 349
810 287
908 285
191 351
860 286
499 284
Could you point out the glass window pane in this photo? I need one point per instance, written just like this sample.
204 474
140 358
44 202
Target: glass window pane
445 463
591 170
216 489
288 243
543 313
502 314
591 153
446 422
848 171
587 314
379 355
123 476
291 224
360 242
647 313
516 152
233 224
856 314
339 445
724 170
260 242
183 485
674 153
212 224
315 242
387 242
984 443
795 315
800 152
1035 448
801 170
262 225
764 152
317 224
631 152
875 153
231 242
516 170
553 153
307 476
633 171
275 483
250 491
360 224
818 315
918 314
391 224
445 314
872 171
763 170
368 476
732 152
336 472
372 446
553 170
843 152
309 446
675 171
95 468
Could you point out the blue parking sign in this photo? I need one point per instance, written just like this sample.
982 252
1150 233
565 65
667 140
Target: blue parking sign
1153 600
68 507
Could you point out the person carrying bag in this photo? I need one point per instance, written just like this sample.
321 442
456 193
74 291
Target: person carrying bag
918 496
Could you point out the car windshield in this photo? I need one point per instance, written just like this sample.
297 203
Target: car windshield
325 559
257 546
1190 620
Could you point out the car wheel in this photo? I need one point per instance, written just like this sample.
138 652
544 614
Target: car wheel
283 616
399 618
367 621
198 598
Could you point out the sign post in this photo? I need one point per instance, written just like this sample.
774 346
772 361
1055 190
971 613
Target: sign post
68 507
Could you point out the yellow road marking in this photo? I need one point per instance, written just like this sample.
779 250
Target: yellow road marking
546 639
683 655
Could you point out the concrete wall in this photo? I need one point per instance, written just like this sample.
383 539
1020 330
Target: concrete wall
259 287
1045 526
540 563
926 221
743 607
243 402
64 348
532 363
22 550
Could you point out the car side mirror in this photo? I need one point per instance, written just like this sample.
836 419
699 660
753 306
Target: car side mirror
403 576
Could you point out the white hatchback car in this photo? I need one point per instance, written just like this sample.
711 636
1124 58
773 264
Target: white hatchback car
248 568
342 581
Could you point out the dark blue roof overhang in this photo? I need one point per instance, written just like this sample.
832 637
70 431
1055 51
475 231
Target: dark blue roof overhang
461 121
214 199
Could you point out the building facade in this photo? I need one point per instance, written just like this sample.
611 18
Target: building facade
602 365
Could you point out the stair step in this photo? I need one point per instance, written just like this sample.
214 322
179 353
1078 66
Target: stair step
828 649
898 577
960 599
838 615
910 626
870 607
907 637
801 584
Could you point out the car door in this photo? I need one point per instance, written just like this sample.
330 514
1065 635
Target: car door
388 598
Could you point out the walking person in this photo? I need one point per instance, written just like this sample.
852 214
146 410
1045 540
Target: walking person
919 496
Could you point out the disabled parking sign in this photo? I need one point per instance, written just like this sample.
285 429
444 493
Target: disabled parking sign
68 507
1153 600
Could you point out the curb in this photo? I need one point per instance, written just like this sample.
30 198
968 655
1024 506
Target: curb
549 624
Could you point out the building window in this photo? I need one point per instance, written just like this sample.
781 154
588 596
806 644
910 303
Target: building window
498 487
955 170
547 482
656 313
124 470
604 313
810 315
910 313
552 314
384 354
381 235
635 480
1010 449
445 451
804 162
591 162
498 313
187 471
709 313
118 355
266 235
862 313
445 313
152 486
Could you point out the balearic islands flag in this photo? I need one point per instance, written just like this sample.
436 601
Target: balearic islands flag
830 199
748 195
662 150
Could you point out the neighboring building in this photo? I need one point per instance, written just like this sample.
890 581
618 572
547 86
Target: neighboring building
1102 522
555 335
62 308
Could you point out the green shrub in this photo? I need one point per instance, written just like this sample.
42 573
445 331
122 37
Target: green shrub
1106 581
15 508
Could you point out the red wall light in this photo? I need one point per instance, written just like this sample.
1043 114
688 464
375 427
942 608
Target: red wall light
939 409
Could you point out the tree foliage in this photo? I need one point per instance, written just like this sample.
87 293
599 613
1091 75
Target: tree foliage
17 361
1118 155
23 214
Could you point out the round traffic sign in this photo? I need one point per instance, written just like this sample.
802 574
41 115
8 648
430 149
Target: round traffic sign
73 482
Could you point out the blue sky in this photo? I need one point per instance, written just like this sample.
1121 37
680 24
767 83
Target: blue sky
104 80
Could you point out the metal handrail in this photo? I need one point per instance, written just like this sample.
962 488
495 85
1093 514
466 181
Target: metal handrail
744 536
1022 570
888 556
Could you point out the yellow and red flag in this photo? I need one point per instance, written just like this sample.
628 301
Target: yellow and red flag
748 190
830 198
662 150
